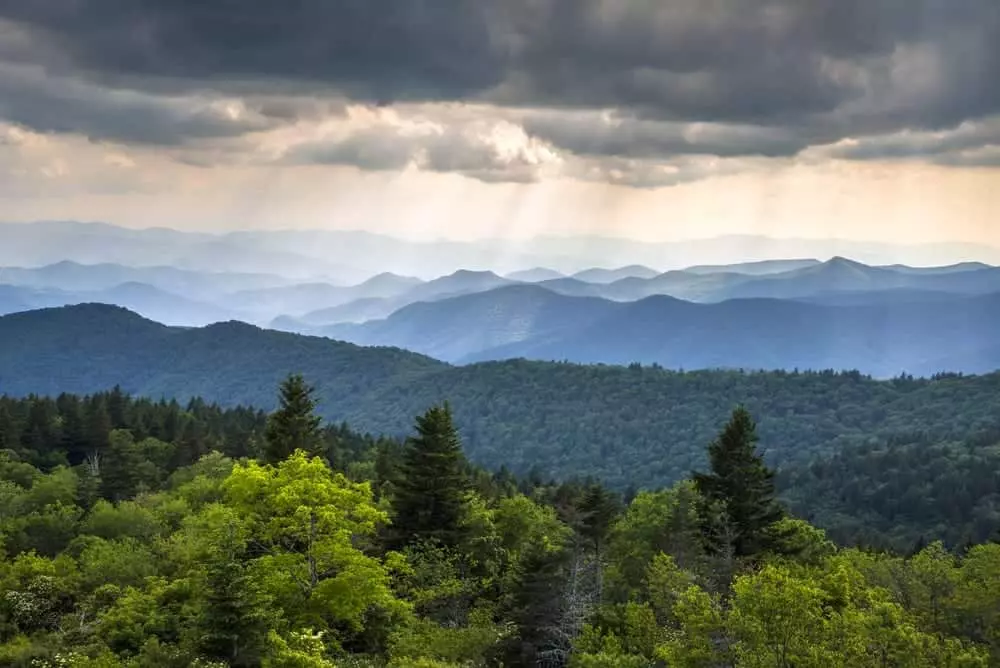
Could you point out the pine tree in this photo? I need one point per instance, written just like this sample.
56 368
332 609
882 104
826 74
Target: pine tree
598 509
39 433
117 403
97 427
739 491
74 433
538 610
235 617
431 491
10 435
294 426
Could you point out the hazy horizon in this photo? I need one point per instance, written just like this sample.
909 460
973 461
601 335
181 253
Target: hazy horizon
526 236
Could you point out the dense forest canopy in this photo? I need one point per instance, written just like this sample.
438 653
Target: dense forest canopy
640 426
138 532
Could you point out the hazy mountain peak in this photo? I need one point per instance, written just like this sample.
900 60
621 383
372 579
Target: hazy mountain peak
605 275
839 260
535 275
389 279
472 273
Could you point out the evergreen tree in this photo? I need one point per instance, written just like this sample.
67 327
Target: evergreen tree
294 426
97 427
739 492
538 609
39 433
74 433
10 435
598 509
120 465
117 403
431 491
235 616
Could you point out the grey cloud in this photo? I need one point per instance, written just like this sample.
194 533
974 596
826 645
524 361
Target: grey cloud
757 77
641 173
376 50
771 61
383 148
48 104
942 146
377 151
597 134
985 157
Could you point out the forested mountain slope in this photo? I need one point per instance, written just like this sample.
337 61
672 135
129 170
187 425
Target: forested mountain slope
631 426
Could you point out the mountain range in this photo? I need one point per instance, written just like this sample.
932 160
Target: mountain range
882 336
630 425
841 314
349 257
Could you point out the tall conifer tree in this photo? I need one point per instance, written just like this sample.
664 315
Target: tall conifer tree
433 485
294 426
740 489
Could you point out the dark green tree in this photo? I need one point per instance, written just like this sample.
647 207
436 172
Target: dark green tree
538 608
599 507
295 425
97 428
235 616
117 403
433 485
10 435
120 466
739 492
39 431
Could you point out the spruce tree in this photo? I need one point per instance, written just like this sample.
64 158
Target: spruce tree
538 609
431 491
10 434
294 426
739 491
236 615
97 428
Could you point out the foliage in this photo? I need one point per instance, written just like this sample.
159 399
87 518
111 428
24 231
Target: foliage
162 540
431 492
741 510
294 426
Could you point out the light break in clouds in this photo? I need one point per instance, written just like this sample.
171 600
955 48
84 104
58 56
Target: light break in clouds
869 118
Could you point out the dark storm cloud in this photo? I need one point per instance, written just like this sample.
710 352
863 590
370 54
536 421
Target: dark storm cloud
60 105
369 48
771 77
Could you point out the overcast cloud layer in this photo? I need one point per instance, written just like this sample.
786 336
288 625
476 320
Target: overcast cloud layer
637 92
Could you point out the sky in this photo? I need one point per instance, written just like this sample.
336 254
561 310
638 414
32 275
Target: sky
649 119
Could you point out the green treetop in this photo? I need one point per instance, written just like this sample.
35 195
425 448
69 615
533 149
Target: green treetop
433 487
294 426
739 490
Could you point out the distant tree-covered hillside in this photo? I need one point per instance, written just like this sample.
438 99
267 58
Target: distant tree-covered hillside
632 426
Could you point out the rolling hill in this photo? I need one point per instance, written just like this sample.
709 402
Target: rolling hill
74 277
876 333
602 275
146 300
760 268
460 327
535 275
306 299
637 425
370 304
841 274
